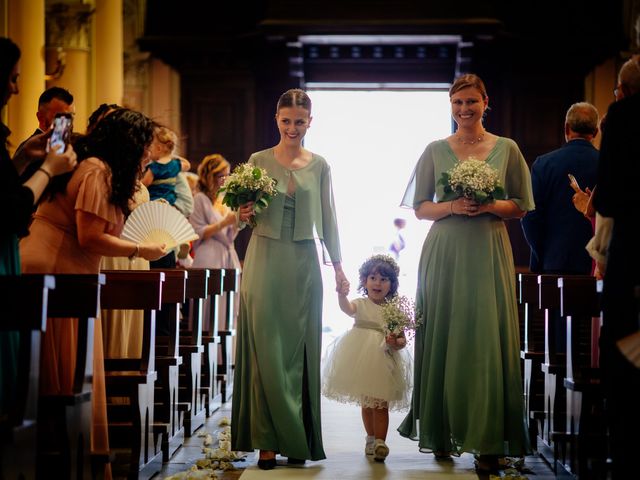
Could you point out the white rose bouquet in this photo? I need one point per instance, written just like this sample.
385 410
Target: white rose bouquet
248 183
473 179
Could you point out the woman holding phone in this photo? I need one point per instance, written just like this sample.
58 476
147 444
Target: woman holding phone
19 199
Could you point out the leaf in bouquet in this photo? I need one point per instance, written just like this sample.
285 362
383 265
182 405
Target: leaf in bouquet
230 201
450 195
262 202
257 174
481 197
498 193
444 180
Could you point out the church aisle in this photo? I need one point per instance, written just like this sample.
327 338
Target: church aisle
343 436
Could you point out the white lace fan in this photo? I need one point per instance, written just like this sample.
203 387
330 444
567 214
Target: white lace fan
158 222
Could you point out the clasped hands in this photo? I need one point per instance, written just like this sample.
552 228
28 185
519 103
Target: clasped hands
466 206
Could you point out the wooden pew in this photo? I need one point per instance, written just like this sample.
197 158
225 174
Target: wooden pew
585 403
532 354
191 350
227 331
24 310
554 369
131 433
169 413
211 341
64 421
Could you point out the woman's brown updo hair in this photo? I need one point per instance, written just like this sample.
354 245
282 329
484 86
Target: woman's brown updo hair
294 98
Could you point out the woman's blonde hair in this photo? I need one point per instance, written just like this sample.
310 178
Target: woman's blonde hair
209 166
167 137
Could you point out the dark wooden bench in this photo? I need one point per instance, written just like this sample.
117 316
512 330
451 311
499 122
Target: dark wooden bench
170 413
553 368
532 354
580 308
227 331
191 350
24 311
136 447
64 420
211 341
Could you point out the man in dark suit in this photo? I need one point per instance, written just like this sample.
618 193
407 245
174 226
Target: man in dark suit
616 197
52 101
556 232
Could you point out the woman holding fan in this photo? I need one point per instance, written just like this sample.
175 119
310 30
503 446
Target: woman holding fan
78 225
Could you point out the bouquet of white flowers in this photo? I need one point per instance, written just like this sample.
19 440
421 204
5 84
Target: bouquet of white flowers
400 316
248 183
473 179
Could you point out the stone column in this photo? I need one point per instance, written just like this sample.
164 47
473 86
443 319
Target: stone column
26 27
68 55
108 50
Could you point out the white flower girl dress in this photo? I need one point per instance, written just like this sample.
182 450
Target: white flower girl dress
360 368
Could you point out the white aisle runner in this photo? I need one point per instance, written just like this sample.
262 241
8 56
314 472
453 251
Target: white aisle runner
343 436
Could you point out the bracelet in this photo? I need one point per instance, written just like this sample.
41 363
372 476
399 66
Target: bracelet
45 172
135 254
451 205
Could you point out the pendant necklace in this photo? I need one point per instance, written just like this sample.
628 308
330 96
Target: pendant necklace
478 139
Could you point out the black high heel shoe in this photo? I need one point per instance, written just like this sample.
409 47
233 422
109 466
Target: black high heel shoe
268 464
295 461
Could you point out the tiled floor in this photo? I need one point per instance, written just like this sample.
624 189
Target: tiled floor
343 438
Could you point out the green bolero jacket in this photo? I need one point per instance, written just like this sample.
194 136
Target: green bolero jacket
315 214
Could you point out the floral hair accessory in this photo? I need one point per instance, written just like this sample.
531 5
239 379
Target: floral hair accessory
387 259
472 179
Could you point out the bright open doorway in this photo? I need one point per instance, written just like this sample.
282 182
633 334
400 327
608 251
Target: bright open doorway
372 141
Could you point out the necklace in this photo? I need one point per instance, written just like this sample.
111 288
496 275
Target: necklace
478 139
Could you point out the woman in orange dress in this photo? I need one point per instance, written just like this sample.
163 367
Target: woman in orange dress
74 229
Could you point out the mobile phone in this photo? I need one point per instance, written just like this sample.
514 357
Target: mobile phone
62 127
574 183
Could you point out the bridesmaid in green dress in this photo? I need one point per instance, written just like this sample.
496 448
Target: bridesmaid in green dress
467 389
276 392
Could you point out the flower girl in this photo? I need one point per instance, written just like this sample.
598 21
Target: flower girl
367 366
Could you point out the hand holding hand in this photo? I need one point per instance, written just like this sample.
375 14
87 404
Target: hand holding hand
344 288
342 284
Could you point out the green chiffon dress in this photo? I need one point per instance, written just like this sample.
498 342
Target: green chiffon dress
467 388
276 389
